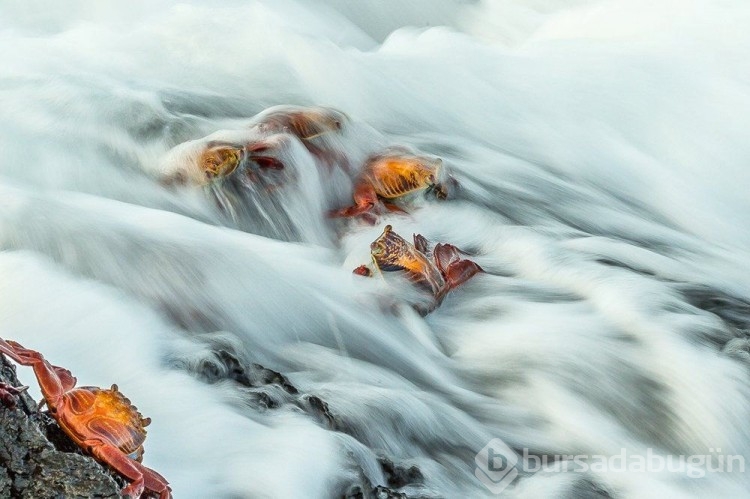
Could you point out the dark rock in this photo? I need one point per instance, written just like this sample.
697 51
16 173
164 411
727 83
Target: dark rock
268 389
319 408
380 492
227 365
733 310
399 476
588 488
32 467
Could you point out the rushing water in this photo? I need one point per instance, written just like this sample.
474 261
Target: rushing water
602 152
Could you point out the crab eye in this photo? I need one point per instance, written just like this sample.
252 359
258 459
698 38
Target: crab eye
377 249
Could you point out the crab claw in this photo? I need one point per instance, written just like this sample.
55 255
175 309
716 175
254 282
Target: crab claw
8 394
455 270
266 162
365 201
261 153
459 272
422 244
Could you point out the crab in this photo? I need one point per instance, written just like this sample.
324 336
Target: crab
307 123
311 125
393 175
437 271
101 421
210 162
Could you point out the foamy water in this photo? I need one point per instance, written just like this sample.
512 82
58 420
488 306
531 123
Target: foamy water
602 155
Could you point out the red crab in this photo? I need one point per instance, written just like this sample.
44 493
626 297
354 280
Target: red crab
307 123
393 175
312 126
100 421
438 271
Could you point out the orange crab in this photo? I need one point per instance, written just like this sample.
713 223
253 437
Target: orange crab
393 175
438 271
100 421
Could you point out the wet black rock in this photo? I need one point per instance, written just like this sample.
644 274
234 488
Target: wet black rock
588 488
268 389
31 466
380 492
398 476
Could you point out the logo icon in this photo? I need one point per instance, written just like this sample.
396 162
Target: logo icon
496 466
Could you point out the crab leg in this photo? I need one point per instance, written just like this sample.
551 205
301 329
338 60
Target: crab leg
46 374
363 270
394 209
455 270
267 162
422 245
8 393
67 381
155 482
459 272
365 199
142 478
125 466
263 161
446 254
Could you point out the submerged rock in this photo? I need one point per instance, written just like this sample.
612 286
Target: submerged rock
32 466
379 492
268 389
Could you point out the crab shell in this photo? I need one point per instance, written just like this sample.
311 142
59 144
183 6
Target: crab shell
92 412
396 175
391 252
197 162
306 123
220 160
